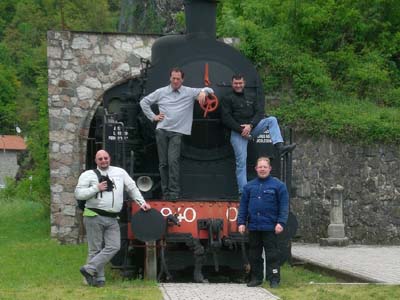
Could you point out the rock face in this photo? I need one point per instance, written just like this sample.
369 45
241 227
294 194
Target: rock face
150 16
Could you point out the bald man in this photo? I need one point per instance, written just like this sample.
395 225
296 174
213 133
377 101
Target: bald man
104 202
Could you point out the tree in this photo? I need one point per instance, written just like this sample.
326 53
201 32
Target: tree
320 47
8 92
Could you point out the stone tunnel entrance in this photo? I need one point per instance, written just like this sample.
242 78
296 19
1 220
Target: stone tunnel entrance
82 66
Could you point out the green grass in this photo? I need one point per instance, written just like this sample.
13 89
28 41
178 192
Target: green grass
299 283
32 266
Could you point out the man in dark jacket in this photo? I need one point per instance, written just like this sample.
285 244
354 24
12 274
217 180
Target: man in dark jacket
264 207
245 117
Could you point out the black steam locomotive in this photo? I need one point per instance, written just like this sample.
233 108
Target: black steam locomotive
201 228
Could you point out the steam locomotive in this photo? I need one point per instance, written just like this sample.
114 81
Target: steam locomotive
200 228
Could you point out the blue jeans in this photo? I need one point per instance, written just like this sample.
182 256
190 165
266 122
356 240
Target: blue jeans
239 145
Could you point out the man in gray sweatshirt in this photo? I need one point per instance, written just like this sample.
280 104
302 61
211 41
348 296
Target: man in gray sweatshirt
175 117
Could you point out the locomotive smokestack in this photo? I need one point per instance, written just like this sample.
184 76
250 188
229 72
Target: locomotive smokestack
201 17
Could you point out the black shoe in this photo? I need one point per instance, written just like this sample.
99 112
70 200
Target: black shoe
174 197
100 283
254 283
90 278
283 149
198 278
274 284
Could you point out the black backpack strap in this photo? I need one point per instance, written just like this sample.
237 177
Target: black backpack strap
97 173
99 178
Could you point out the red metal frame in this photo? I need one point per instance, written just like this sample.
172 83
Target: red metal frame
189 212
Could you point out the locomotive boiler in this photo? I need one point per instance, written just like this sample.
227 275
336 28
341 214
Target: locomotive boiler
200 228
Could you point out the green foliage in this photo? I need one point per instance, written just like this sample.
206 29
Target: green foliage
180 22
347 120
23 76
7 11
392 98
142 17
39 151
325 50
9 85
89 15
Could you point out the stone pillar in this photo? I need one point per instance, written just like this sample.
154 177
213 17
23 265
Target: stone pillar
336 235
82 66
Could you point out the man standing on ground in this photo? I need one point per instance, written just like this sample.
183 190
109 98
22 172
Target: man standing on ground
264 207
245 117
175 117
104 201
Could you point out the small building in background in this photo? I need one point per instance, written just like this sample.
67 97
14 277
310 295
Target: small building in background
10 147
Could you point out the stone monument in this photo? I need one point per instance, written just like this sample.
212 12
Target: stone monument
336 235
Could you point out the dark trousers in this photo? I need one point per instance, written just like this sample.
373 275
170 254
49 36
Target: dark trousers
169 152
267 240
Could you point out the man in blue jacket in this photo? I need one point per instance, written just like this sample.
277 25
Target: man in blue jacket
264 207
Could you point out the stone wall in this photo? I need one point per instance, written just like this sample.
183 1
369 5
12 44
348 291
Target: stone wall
81 67
371 196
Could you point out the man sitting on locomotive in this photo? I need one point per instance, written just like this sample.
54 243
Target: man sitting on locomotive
264 208
245 117
175 118
104 198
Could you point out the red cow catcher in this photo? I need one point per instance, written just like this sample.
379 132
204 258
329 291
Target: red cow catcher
206 230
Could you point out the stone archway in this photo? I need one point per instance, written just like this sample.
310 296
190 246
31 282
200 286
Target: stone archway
81 67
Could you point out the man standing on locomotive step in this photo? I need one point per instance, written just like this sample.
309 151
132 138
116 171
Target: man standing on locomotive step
103 203
245 117
175 117
264 207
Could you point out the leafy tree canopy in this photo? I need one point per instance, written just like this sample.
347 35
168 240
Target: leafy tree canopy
23 71
339 51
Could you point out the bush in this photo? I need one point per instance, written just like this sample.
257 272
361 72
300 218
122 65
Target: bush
351 121
326 61
392 98
25 189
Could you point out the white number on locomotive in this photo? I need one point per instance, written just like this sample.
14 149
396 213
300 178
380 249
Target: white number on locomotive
189 214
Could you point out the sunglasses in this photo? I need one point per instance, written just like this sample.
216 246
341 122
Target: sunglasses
102 158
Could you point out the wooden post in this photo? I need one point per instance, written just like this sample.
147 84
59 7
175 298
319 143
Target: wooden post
150 268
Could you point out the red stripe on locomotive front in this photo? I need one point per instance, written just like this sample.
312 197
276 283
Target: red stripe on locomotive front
189 212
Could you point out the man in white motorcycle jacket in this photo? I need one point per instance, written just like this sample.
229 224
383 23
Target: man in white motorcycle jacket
104 200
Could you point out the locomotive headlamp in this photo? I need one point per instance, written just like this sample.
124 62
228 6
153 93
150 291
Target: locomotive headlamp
144 183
